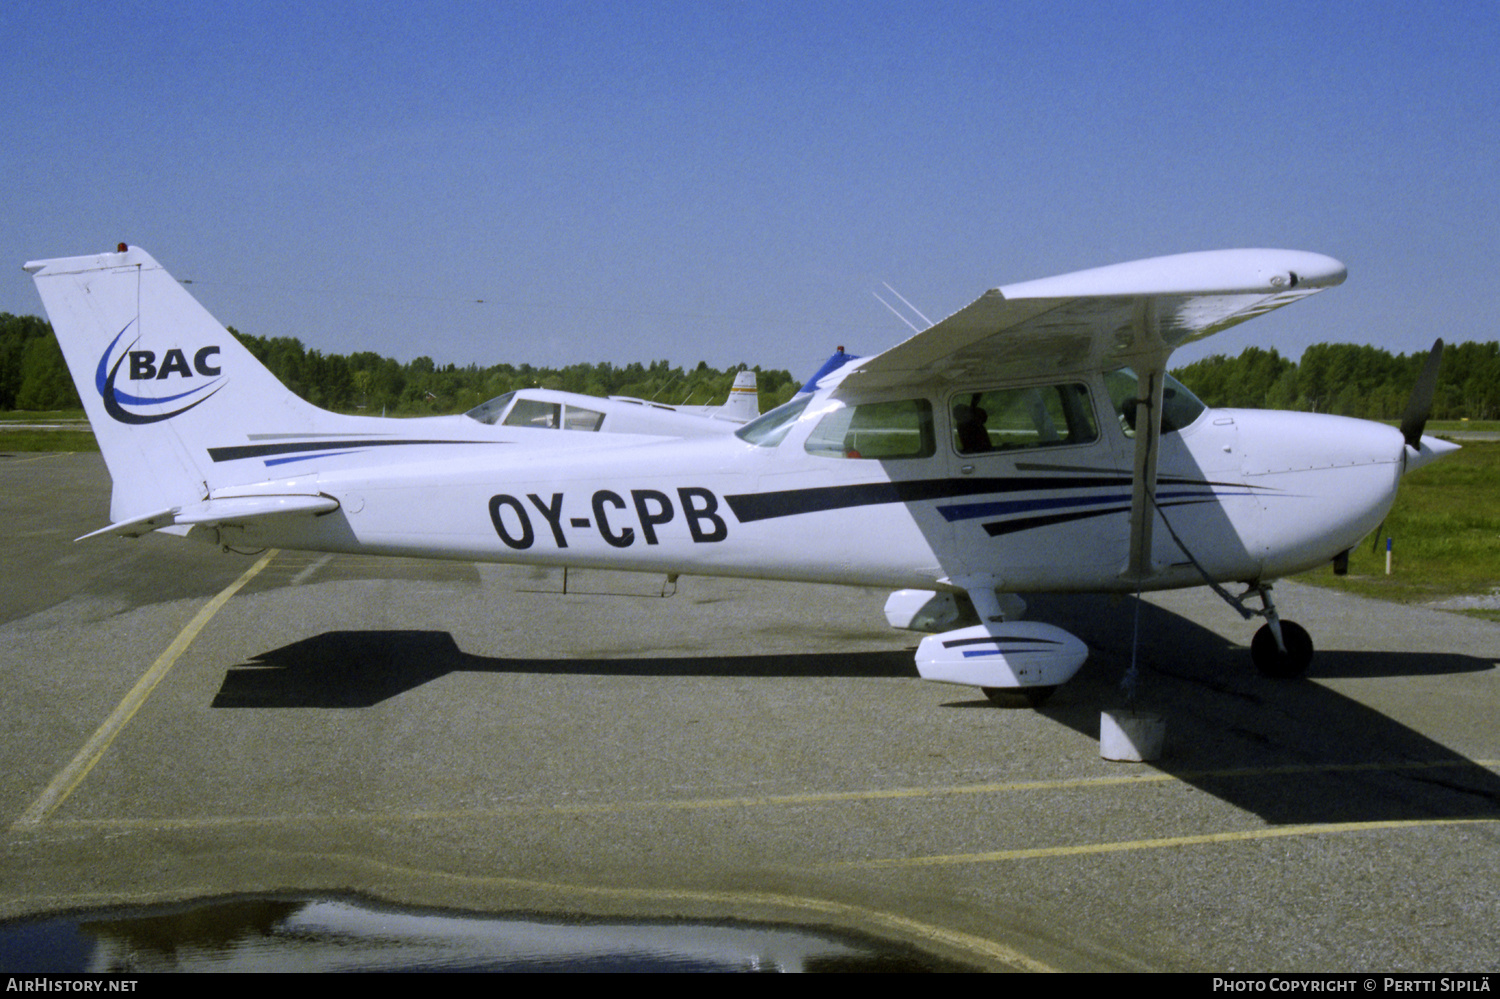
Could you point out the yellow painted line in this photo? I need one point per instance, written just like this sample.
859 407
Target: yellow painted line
40 457
1165 842
763 801
73 774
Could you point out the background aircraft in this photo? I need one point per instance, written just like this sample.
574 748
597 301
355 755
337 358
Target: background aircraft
1031 442
549 409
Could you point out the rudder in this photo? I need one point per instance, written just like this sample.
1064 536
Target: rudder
160 378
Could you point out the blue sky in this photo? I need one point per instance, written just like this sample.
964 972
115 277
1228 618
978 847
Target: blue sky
564 182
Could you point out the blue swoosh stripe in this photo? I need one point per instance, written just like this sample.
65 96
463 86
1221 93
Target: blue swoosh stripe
1001 508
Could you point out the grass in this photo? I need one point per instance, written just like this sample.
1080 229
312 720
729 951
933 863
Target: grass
1446 531
1440 427
72 436
18 441
41 416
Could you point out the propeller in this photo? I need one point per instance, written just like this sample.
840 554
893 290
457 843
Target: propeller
1419 406
1414 420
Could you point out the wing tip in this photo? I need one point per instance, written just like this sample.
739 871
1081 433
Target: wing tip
1243 271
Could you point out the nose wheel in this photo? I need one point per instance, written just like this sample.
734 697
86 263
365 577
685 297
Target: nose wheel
1272 660
1281 649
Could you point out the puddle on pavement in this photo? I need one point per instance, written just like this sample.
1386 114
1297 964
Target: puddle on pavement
301 934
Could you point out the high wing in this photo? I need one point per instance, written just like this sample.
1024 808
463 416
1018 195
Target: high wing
1125 315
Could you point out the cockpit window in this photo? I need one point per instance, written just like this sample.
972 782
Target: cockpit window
578 418
878 430
1031 417
1179 407
535 413
768 429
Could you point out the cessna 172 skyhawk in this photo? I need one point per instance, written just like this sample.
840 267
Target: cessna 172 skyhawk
1030 442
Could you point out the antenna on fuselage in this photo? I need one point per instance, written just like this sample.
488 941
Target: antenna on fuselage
670 382
904 302
897 313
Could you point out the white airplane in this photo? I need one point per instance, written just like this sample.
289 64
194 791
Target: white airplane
551 409
1031 442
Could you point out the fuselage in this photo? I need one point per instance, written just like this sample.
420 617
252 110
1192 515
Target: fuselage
891 493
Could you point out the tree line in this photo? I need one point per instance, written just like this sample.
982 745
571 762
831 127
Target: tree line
1344 379
34 377
32 373
1350 380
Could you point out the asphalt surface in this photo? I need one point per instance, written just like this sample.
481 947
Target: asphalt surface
470 736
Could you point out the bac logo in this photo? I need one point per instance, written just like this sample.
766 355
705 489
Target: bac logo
610 514
173 368
143 364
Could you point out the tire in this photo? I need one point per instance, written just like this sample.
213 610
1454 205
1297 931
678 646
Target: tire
1271 661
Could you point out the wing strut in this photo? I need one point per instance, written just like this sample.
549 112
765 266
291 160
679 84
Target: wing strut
1152 375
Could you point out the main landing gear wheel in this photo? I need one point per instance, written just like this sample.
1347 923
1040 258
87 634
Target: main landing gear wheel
1016 697
1271 661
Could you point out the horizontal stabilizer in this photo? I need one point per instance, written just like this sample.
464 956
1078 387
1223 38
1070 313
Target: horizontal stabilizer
136 527
222 510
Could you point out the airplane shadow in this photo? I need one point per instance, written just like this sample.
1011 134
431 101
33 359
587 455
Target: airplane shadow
358 669
1291 752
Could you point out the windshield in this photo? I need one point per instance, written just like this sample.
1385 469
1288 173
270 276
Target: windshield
489 413
1179 406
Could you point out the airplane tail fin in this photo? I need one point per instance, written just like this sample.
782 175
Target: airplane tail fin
161 380
743 404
